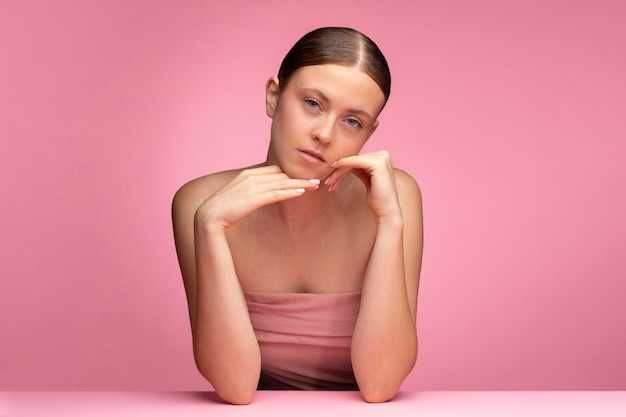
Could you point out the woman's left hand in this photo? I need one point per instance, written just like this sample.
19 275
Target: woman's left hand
375 170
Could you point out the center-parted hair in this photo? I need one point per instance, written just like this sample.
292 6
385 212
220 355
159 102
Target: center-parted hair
337 45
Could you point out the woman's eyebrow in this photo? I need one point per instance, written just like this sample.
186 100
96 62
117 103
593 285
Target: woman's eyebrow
325 98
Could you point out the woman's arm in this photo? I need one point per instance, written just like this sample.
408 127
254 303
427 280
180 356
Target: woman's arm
225 347
384 344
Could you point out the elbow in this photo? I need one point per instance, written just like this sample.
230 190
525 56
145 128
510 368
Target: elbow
236 392
381 384
231 388
236 395
378 396
377 392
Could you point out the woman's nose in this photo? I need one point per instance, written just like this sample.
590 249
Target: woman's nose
324 130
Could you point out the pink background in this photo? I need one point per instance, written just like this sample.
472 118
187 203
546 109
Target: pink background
510 114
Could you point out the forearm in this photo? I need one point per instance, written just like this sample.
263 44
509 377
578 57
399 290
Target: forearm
225 347
384 344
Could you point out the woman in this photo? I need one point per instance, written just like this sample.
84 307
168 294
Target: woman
302 272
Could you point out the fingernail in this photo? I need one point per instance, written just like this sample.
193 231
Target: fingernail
314 181
299 190
326 180
333 164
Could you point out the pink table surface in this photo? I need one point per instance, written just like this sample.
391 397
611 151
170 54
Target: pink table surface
302 404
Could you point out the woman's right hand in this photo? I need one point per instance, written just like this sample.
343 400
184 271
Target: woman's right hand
251 189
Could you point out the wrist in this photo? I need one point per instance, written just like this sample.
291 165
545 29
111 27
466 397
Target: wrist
205 224
391 222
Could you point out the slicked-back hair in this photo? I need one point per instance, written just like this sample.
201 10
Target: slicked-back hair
341 46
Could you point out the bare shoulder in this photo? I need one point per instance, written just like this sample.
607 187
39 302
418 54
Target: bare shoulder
408 189
193 193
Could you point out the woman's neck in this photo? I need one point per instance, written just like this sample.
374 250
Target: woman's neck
315 211
311 210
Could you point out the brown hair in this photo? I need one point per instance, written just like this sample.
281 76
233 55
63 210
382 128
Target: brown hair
337 45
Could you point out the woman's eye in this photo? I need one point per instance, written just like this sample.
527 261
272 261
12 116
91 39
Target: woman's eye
353 123
312 103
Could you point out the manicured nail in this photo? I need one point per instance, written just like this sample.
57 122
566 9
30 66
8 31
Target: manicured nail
333 164
300 190
315 181
326 180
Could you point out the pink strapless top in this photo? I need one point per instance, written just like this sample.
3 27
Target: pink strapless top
304 339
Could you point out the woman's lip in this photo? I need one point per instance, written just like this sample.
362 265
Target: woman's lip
312 157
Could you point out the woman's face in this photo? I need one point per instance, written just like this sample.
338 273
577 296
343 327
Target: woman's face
324 113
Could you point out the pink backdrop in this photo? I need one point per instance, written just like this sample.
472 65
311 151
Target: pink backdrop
509 113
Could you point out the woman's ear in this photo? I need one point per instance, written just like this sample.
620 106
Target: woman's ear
272 91
373 129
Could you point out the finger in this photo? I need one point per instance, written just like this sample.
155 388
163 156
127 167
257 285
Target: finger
362 165
368 161
274 180
366 166
284 183
361 174
275 196
336 177
285 191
